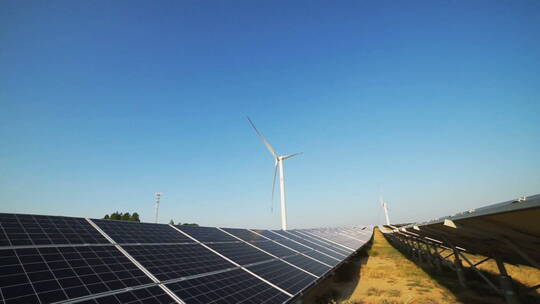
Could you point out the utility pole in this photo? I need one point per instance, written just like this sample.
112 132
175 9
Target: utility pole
157 197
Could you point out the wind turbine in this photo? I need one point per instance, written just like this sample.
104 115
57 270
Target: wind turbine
278 163
384 205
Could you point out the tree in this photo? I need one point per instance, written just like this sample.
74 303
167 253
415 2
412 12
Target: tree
192 224
118 216
171 222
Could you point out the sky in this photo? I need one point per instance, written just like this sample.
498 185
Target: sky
433 104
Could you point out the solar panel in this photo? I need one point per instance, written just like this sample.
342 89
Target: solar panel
124 232
283 275
312 245
235 286
510 227
278 238
307 264
240 252
26 229
322 257
244 234
175 261
274 248
343 237
149 295
56 274
322 242
46 259
207 234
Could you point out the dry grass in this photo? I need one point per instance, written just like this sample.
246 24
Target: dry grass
389 277
383 275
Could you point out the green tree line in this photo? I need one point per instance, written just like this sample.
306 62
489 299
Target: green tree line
171 222
135 218
123 216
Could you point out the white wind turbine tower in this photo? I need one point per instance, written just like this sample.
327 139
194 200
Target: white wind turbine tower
384 205
278 163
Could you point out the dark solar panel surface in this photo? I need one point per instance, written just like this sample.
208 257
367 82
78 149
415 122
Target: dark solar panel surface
340 237
54 266
26 229
235 286
150 295
174 261
244 234
315 246
284 241
308 264
207 234
323 243
322 257
274 248
124 232
283 275
56 274
240 252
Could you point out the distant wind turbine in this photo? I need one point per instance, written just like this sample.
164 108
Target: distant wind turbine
384 205
278 162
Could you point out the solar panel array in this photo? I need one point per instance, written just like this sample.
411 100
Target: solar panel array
52 259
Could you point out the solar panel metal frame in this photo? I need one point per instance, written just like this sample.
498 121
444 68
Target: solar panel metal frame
507 226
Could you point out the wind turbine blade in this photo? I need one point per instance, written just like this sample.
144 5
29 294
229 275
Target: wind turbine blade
266 143
291 155
274 186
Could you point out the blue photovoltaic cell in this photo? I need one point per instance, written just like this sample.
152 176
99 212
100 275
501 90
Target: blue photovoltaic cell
308 264
56 274
323 243
47 259
149 295
283 275
231 287
175 261
206 234
240 252
244 234
314 246
273 248
322 257
278 238
27 229
125 232
337 236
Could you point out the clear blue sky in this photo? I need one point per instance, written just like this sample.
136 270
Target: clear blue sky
103 103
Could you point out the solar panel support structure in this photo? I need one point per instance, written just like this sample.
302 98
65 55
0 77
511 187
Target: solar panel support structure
506 283
134 261
408 243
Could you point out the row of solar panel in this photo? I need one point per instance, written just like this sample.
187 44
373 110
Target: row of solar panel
47 259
